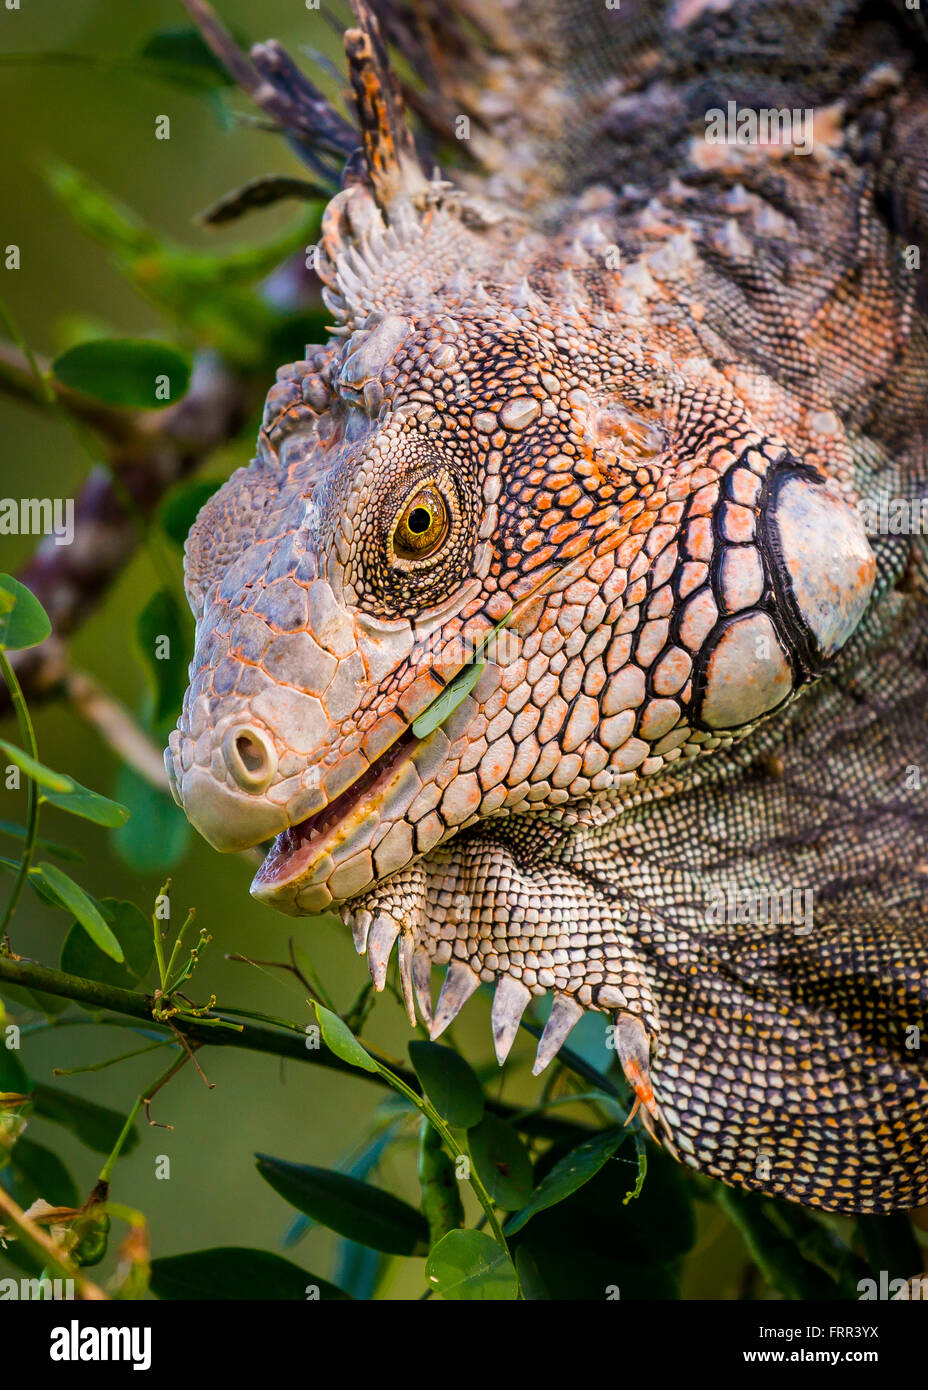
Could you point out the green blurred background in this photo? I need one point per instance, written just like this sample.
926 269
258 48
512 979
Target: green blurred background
101 119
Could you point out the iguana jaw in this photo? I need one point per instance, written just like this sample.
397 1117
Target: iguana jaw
302 855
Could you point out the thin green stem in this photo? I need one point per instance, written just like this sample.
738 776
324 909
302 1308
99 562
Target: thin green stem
454 1148
106 1172
27 734
110 1061
156 928
252 1037
170 983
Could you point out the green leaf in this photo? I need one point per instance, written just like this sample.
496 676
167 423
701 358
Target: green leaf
501 1161
158 834
184 57
183 504
530 1281
635 1250
890 1244
447 702
449 1083
773 1249
43 1174
34 999
569 1174
43 776
161 633
354 1209
463 683
233 1272
95 1125
339 1039
137 373
81 956
72 898
89 805
13 1075
23 620
470 1265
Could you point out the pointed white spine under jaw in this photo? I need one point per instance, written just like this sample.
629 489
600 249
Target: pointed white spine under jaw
565 1012
509 1004
380 945
460 983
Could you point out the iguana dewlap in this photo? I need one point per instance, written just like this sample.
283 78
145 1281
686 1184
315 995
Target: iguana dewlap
640 403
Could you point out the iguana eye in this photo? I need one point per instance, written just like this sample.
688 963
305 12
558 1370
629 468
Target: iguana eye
422 525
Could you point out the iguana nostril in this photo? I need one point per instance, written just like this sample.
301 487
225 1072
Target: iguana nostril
250 757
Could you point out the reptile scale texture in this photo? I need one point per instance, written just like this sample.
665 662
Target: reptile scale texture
641 399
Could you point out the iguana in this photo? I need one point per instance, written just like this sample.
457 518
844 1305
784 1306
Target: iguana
652 406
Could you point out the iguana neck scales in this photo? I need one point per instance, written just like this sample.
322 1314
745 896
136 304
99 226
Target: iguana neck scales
625 393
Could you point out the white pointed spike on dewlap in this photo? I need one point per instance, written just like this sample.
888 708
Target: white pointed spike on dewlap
379 947
564 1014
460 983
404 954
509 1004
422 983
362 925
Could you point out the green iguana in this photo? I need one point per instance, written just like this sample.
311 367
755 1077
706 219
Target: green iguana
643 388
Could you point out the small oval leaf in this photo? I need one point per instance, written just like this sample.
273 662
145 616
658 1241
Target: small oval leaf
447 702
183 56
81 956
72 898
354 1209
43 776
470 1265
501 1161
89 805
43 1174
162 636
232 1272
23 620
449 1083
339 1039
137 373
573 1170
95 1125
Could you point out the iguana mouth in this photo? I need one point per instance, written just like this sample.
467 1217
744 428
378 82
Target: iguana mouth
296 849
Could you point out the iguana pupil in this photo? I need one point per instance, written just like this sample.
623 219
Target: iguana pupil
672 379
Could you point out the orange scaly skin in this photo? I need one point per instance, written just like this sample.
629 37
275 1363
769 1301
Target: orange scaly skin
644 416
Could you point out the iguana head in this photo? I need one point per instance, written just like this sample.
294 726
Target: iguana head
506 427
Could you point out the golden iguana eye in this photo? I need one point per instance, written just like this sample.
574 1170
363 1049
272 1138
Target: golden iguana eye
422 525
